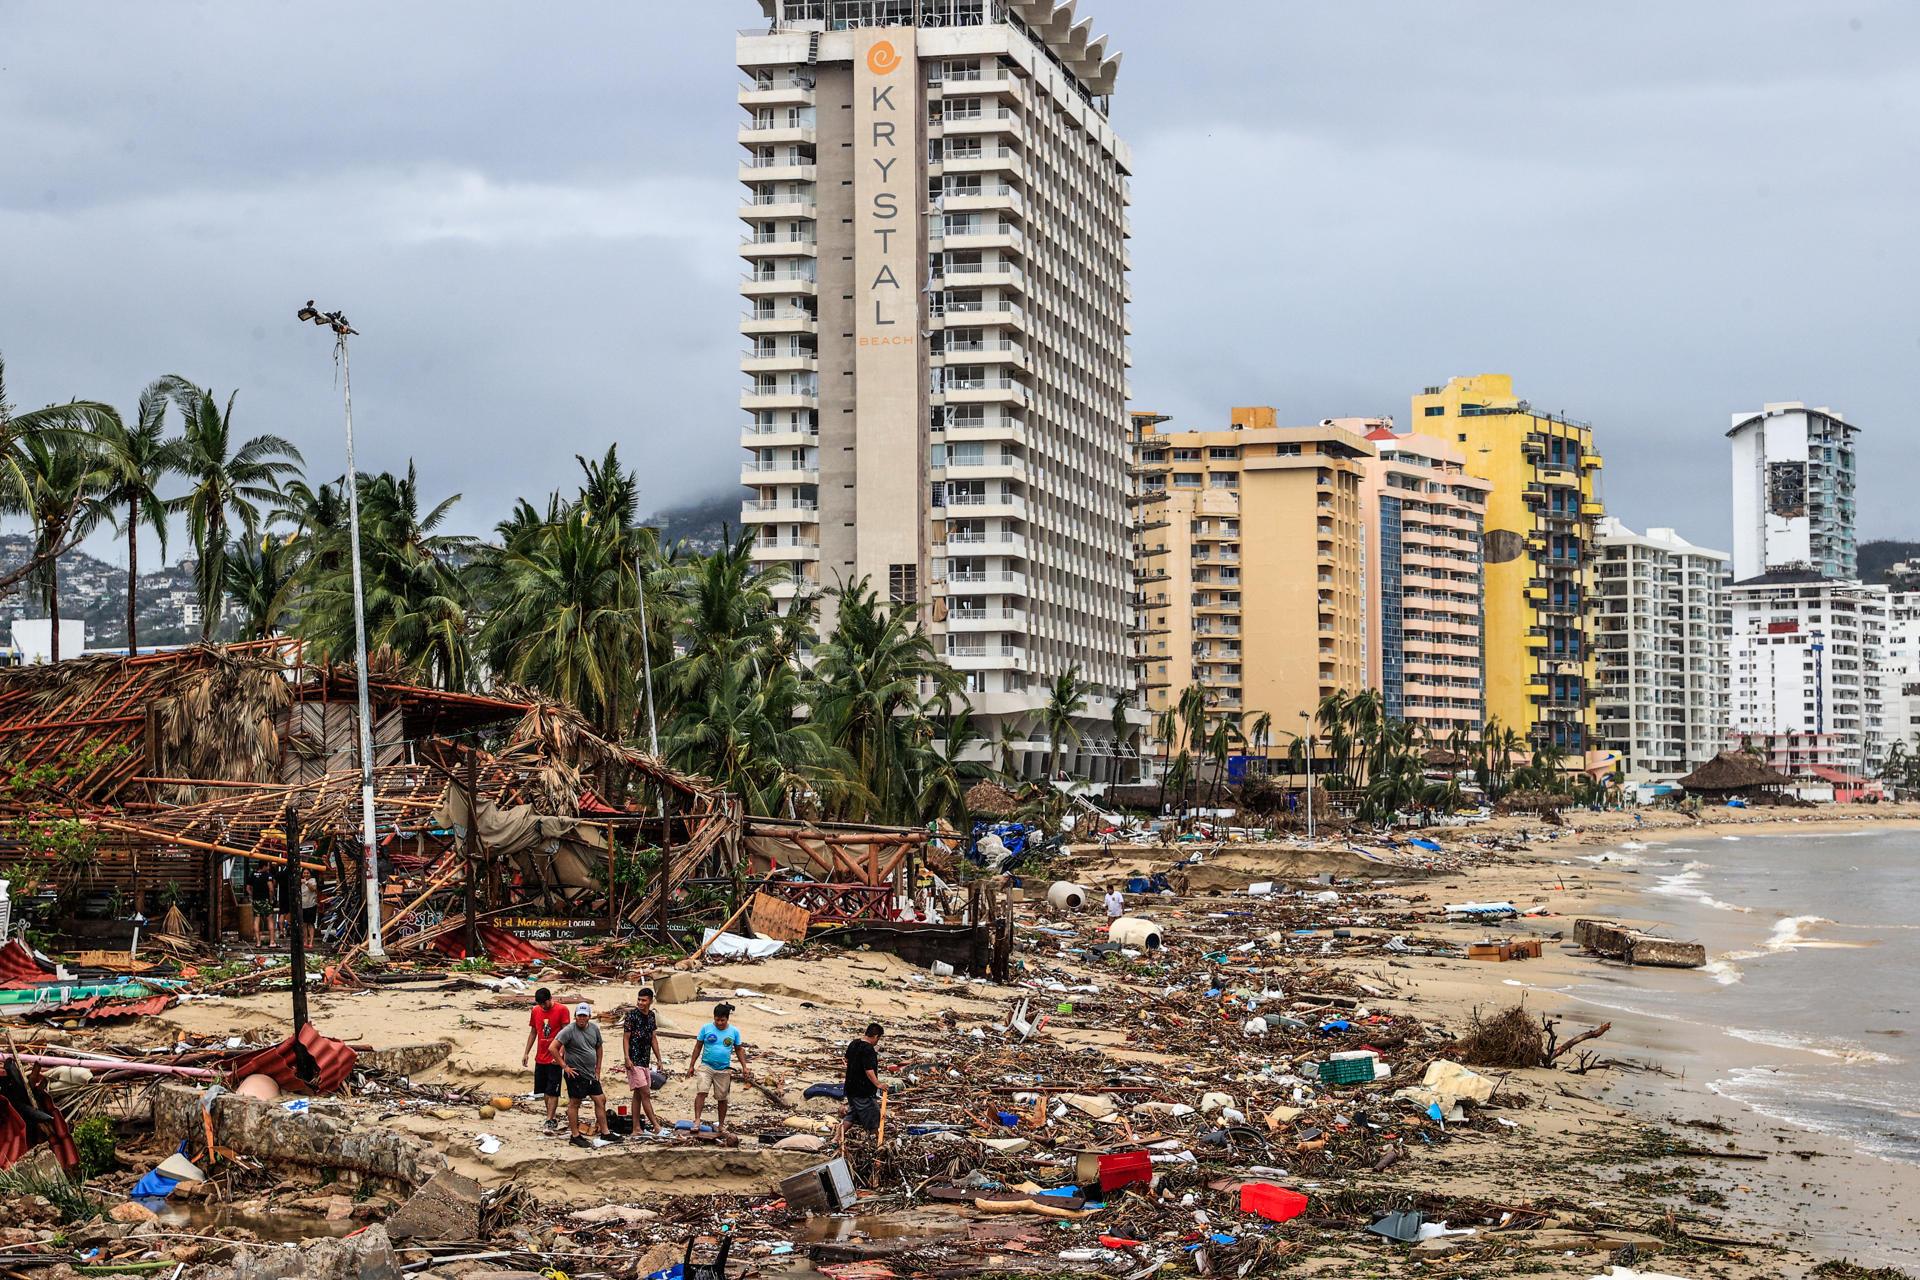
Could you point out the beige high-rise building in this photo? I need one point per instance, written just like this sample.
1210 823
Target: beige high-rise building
936 334
1425 516
1249 566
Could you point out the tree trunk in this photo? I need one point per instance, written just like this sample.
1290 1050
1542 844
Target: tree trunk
133 577
210 564
53 606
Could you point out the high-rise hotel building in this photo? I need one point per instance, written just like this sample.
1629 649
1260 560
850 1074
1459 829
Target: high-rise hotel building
936 327
1538 552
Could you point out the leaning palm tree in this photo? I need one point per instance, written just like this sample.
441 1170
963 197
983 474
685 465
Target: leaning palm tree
1066 698
141 458
68 486
76 418
227 483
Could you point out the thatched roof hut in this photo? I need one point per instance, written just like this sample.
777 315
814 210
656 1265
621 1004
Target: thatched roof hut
1734 773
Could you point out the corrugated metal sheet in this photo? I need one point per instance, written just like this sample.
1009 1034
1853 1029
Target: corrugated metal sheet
332 1062
13 1135
19 968
500 946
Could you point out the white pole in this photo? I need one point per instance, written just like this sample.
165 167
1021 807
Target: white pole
370 852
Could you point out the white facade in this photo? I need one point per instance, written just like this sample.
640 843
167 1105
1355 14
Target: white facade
936 334
1806 683
1661 623
33 638
1900 672
1793 482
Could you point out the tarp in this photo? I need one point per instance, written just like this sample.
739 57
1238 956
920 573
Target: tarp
732 944
559 852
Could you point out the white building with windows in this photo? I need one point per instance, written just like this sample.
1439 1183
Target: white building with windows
1661 625
1805 667
936 292
1793 492
1900 672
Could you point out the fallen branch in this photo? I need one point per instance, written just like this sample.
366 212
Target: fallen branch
1582 1038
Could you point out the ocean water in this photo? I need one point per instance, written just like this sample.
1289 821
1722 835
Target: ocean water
1813 943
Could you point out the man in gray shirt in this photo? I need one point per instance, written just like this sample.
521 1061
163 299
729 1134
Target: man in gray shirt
581 1052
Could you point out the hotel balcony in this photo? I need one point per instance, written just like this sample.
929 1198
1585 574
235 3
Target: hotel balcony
786 549
986 582
779 511
778 398
759 285
988 618
756 474
785 91
775 245
984 121
761 207
761 133
782 435
778 320
756 361
778 169
1010 545
989 199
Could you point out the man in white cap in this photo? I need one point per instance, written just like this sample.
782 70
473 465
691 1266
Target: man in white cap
582 1052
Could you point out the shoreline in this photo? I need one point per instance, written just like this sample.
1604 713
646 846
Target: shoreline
1822 1192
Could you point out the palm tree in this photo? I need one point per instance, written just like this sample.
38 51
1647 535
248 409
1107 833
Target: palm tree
878 683
67 489
77 418
1122 731
564 617
1259 736
262 577
227 485
1066 698
141 458
415 595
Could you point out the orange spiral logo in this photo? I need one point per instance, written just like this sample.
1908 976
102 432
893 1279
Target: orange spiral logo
883 58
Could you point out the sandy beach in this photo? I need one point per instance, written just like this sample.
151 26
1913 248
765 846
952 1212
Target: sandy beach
1638 1133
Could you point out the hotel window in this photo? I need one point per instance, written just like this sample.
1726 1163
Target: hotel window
1186 480
1225 479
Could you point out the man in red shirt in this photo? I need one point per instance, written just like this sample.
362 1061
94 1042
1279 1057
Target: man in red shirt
545 1022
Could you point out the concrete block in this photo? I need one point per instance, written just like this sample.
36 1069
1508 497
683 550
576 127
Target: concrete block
1665 953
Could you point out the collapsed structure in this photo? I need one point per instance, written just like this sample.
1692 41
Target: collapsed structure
137 787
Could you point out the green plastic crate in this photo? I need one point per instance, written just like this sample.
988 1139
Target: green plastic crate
1347 1071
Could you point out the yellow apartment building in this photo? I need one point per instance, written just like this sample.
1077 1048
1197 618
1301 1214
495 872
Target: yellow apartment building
1538 552
1248 549
1424 517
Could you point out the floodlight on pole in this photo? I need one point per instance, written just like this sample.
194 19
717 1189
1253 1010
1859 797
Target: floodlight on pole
337 322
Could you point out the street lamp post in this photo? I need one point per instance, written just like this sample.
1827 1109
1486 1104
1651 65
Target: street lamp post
337 321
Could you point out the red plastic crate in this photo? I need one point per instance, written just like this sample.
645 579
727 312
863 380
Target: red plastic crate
1276 1204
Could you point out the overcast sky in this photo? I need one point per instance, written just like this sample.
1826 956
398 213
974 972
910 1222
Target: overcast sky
1652 215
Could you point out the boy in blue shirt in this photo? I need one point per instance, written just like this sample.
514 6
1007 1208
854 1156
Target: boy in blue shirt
714 1049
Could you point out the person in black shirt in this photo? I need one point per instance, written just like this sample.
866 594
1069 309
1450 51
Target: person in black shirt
641 1029
863 1080
263 888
